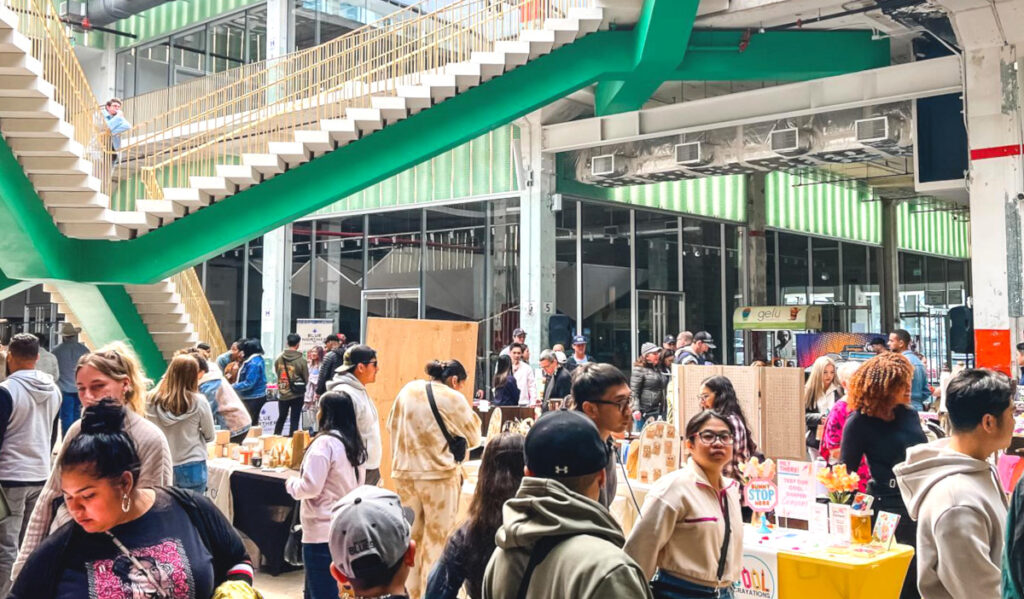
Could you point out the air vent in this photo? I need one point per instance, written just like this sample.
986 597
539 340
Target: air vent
693 153
872 130
791 141
603 166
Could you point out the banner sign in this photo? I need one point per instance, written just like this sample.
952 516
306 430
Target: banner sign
759 577
793 318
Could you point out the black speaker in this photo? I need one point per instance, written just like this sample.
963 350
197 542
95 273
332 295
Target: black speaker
961 330
559 330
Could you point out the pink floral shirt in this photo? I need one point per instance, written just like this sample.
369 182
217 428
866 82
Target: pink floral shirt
832 438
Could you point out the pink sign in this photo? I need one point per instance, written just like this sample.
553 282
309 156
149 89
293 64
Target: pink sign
796 489
761 495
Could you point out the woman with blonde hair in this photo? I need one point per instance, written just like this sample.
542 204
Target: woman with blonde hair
881 428
111 372
821 392
185 417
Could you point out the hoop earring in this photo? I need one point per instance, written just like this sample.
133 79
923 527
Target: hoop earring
126 503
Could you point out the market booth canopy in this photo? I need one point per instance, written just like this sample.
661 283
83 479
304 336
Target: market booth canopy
774 318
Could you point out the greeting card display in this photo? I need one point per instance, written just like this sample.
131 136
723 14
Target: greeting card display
885 529
658 451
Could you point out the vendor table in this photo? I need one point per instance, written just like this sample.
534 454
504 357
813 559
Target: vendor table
263 511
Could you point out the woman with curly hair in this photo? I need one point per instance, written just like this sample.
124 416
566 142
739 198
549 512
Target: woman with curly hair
881 428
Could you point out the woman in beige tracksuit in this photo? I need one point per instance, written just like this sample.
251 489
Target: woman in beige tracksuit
427 477
690 536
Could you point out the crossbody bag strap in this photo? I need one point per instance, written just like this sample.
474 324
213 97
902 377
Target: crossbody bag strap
437 416
540 551
724 554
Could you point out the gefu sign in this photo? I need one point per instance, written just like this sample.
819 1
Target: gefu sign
759 577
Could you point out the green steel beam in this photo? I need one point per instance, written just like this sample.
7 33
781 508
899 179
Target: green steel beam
661 38
108 314
780 55
10 287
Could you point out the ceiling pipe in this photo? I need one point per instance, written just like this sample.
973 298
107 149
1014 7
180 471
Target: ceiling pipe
105 12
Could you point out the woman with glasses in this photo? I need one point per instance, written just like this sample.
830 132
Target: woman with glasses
718 394
689 539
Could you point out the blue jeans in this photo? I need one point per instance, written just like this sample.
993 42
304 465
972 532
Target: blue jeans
316 560
70 411
191 476
666 586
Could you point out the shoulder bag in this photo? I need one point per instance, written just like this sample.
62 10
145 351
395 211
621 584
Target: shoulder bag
456 445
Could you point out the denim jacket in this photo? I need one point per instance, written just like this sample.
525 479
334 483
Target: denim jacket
252 378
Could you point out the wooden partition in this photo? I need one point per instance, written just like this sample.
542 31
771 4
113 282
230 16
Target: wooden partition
769 397
404 347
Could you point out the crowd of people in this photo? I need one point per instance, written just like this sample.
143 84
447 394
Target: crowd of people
120 511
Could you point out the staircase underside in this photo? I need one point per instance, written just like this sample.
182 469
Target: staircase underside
93 273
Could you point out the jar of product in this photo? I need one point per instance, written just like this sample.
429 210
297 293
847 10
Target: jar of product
860 527
257 459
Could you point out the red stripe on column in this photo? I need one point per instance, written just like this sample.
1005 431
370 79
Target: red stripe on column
995 152
992 349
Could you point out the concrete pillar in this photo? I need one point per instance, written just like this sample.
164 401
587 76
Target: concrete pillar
276 313
755 265
889 277
991 34
536 237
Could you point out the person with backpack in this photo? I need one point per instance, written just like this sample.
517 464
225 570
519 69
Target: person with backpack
292 379
331 468
334 357
432 428
130 540
556 541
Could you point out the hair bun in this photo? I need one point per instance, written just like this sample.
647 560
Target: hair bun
105 417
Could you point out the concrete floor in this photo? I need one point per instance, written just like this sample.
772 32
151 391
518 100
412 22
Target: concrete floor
285 586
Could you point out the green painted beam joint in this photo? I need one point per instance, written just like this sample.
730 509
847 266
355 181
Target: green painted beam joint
11 287
780 55
107 314
661 38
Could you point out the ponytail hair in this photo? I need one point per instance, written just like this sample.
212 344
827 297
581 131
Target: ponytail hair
442 370
103 445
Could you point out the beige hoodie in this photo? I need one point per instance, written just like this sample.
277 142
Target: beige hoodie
418 447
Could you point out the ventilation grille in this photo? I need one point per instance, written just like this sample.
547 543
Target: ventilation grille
872 130
603 166
689 153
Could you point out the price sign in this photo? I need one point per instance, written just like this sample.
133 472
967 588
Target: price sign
761 495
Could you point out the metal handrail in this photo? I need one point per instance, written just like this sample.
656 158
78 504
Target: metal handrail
190 290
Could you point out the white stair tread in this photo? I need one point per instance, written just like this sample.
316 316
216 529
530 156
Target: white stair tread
267 164
165 209
317 142
185 196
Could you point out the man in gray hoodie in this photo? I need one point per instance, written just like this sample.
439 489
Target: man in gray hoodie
556 540
29 403
953 492
358 369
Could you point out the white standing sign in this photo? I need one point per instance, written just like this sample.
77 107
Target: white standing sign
313 331
796 489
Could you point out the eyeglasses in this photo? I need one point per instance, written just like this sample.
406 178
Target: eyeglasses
623 404
709 437
703 396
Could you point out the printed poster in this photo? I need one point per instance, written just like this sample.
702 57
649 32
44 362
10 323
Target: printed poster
796 489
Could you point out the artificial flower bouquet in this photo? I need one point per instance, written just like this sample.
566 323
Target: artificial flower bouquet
840 484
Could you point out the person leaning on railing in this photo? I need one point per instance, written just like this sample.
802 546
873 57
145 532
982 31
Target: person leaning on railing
117 125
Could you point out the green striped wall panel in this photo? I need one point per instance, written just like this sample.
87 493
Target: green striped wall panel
842 212
714 197
481 167
933 231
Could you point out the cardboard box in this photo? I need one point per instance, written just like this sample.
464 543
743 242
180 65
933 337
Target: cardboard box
214 450
223 437
255 431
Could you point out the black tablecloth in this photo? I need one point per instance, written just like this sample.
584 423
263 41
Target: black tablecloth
263 511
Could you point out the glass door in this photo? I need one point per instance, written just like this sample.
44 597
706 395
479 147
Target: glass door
390 303
658 315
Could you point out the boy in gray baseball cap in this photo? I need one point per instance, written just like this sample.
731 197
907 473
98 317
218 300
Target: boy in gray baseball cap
371 546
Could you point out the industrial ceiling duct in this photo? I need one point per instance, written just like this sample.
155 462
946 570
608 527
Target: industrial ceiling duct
105 12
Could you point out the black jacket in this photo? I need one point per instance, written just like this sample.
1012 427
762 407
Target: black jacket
39 577
570 363
332 360
559 385
648 386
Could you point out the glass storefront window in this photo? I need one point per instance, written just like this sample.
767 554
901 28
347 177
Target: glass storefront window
227 44
793 273
771 280
659 297
225 290
505 272
189 52
825 281
394 250
565 268
337 272
606 289
301 263
702 280
733 273
856 290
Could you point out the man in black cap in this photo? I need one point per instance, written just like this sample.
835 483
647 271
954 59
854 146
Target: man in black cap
334 356
696 352
557 541
518 336
358 369
878 345
579 353
669 343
